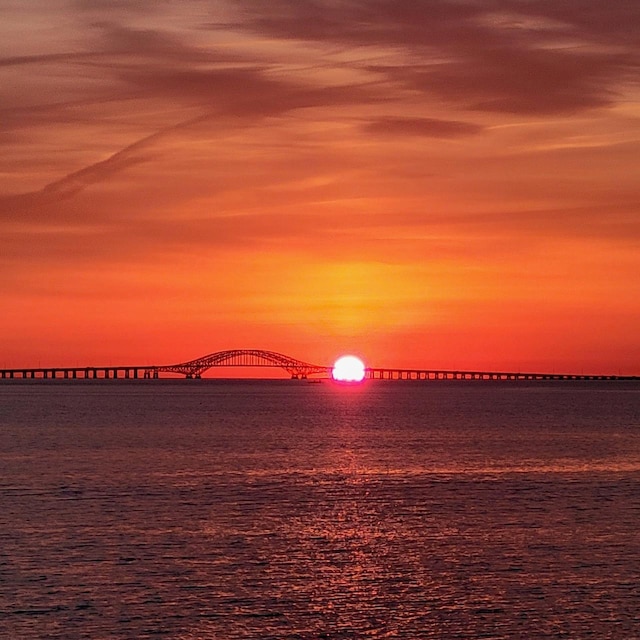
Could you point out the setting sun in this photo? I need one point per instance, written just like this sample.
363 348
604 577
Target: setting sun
348 369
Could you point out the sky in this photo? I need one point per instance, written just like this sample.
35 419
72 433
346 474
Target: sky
441 184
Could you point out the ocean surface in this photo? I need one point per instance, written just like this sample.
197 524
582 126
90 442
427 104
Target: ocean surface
287 510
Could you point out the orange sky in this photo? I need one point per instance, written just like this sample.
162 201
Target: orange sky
431 184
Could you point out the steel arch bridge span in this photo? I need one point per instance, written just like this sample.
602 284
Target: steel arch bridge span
245 358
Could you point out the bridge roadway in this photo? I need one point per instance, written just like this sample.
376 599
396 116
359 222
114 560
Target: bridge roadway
297 369
436 374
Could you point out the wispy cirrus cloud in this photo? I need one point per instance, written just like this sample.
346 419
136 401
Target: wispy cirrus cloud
406 64
504 57
223 98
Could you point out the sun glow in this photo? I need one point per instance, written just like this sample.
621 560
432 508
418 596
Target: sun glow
348 369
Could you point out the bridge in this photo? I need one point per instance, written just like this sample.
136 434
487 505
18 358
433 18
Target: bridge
259 358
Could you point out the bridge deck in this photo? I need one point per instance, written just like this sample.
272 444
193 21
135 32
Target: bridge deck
440 374
371 373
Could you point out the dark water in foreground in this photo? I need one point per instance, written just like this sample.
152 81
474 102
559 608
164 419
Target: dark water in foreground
288 510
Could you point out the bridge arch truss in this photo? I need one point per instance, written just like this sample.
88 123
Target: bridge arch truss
245 358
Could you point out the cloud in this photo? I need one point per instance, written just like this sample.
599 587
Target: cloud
591 20
511 57
387 236
33 206
28 206
427 127
110 42
521 81
236 98
361 22
143 7
46 58
490 56
157 44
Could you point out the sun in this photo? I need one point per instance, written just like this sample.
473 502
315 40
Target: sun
348 369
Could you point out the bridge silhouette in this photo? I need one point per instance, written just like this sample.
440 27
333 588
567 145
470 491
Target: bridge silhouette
297 369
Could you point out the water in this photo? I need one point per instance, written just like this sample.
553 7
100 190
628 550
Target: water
201 509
